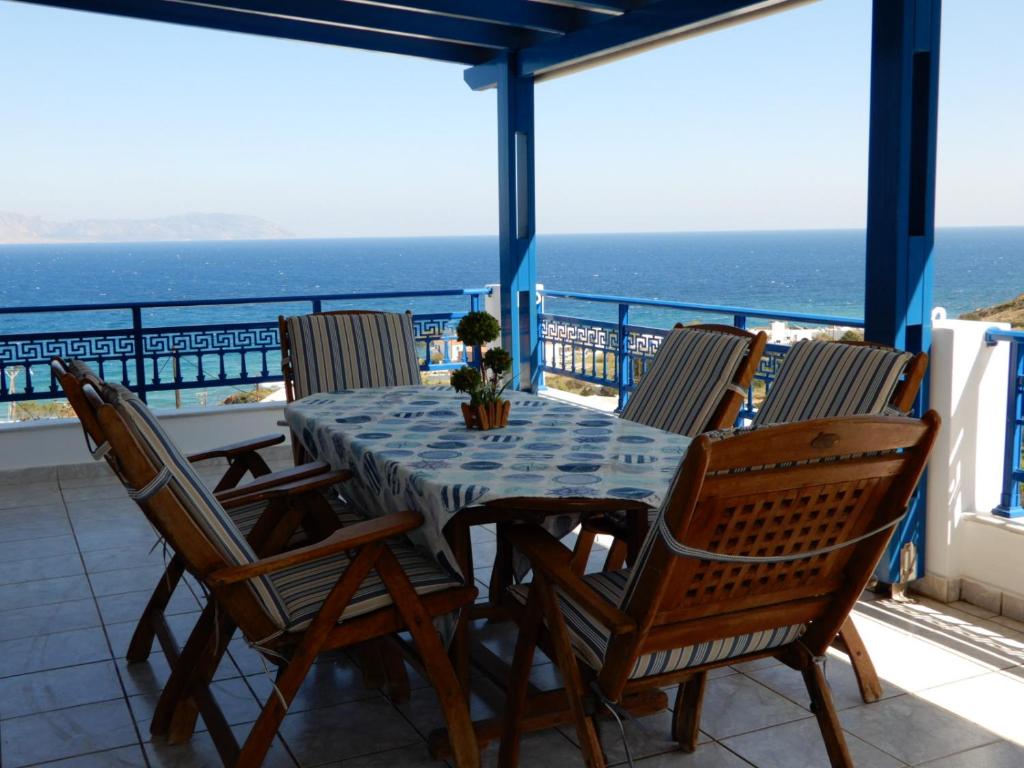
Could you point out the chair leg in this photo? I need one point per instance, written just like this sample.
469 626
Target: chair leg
194 669
825 712
586 732
616 555
686 718
458 651
399 690
294 671
519 676
267 724
450 694
501 573
863 668
142 639
581 552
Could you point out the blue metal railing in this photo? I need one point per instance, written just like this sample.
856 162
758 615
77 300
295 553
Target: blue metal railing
592 350
158 347
1013 475
162 357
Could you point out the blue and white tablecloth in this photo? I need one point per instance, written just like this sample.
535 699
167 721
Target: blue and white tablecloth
408 448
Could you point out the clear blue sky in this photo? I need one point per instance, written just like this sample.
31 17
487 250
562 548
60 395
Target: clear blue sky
762 126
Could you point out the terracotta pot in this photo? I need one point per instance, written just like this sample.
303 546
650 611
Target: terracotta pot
491 416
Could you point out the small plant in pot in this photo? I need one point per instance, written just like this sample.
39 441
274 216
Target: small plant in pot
486 409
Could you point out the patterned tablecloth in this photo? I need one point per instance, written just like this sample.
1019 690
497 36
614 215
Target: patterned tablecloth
409 449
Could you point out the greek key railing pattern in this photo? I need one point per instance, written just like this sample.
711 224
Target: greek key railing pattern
180 357
578 348
589 350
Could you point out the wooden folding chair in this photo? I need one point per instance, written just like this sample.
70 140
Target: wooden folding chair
357 585
761 549
698 382
825 379
247 504
346 349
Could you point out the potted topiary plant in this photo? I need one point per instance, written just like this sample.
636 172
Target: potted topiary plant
486 409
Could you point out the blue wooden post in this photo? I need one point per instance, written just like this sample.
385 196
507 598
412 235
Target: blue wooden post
901 204
625 363
1009 503
517 224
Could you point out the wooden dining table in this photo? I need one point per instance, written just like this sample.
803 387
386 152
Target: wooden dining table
409 449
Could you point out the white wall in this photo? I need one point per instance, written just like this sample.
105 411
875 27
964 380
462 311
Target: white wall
969 553
58 442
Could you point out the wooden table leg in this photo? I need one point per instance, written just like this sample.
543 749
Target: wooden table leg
462 548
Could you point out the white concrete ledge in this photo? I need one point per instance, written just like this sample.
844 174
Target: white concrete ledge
50 443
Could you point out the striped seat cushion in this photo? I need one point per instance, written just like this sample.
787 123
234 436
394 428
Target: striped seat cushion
195 498
590 639
687 380
246 516
333 352
303 588
822 379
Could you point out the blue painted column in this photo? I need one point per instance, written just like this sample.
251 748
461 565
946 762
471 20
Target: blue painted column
517 224
901 206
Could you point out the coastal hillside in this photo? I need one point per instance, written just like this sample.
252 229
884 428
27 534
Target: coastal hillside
1011 312
17 228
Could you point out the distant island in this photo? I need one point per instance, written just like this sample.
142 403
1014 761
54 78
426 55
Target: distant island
1011 312
17 228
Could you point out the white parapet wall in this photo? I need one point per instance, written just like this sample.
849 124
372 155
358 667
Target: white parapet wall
60 442
970 554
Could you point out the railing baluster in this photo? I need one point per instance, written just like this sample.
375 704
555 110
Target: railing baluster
140 360
623 360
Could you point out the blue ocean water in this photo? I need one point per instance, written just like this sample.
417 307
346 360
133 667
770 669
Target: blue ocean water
806 271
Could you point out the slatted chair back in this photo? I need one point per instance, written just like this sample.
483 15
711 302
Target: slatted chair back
698 380
695 597
347 349
823 379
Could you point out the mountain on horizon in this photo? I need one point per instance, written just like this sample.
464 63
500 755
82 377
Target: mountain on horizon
18 228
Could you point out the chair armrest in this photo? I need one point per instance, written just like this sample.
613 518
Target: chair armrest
238 449
280 477
285 490
552 559
350 537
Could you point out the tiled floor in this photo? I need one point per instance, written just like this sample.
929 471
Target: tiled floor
76 569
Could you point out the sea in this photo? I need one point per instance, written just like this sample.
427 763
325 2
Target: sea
818 271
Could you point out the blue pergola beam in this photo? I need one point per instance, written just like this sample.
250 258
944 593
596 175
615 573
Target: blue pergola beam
392 20
517 224
273 26
901 211
537 16
654 22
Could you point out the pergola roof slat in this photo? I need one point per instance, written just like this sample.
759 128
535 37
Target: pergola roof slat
388 20
638 28
277 26
546 36
538 16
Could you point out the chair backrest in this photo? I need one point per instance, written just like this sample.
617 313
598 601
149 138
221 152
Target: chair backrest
177 502
771 492
349 349
824 379
698 380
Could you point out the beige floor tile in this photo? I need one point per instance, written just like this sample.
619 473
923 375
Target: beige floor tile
800 745
1002 754
994 701
736 704
912 729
